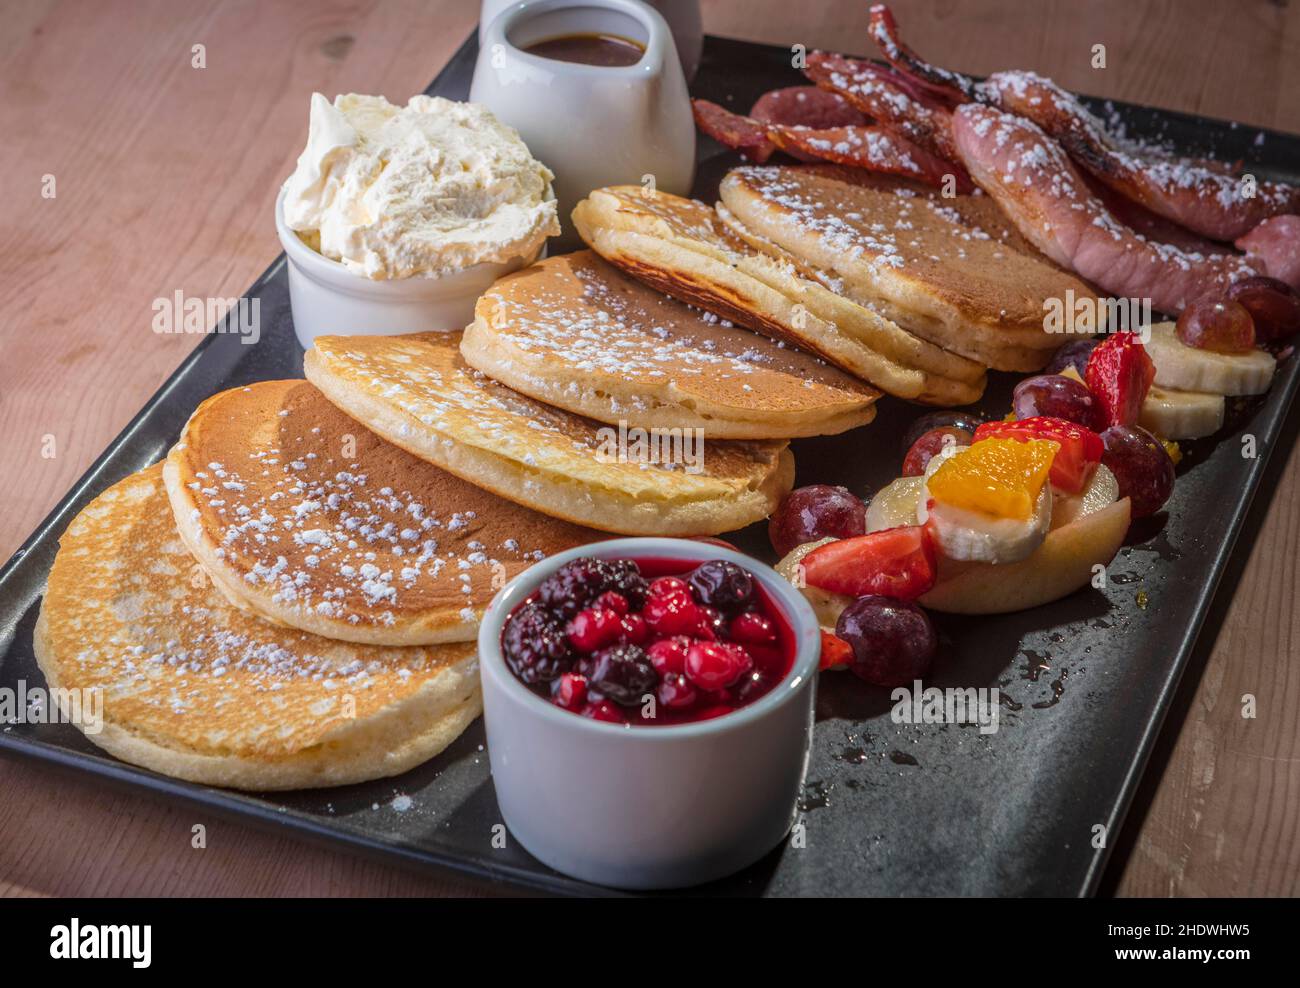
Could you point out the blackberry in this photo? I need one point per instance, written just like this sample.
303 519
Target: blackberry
535 646
625 578
721 584
622 673
574 585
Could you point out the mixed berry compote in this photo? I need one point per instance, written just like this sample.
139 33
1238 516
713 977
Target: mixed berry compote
649 642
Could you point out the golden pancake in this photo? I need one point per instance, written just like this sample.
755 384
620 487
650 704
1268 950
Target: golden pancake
307 518
418 393
911 258
975 209
991 352
195 688
681 247
579 334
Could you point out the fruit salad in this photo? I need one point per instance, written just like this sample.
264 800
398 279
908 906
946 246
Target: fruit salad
996 516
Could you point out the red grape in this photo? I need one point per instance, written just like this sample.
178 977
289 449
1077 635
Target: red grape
1141 466
820 511
930 445
1217 324
1074 355
1059 398
1273 305
893 641
966 421
676 692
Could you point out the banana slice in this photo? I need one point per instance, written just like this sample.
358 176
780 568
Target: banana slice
789 564
900 502
1189 369
895 504
971 536
1172 414
1101 492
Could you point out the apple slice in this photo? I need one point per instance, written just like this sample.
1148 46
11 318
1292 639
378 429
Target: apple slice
1062 564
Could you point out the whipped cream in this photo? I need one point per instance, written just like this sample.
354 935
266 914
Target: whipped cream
425 189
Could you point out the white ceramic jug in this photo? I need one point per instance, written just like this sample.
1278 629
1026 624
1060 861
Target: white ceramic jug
683 17
591 125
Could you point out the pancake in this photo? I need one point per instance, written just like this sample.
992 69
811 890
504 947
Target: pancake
417 392
576 333
197 689
974 209
681 247
306 518
992 352
911 258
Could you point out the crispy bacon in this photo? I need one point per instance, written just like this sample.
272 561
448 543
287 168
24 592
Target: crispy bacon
1148 224
945 85
888 97
743 134
872 148
1275 244
1032 179
1205 197
863 147
806 106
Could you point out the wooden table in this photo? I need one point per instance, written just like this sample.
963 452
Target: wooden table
165 176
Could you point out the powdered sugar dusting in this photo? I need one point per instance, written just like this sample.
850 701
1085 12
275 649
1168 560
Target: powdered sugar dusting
319 535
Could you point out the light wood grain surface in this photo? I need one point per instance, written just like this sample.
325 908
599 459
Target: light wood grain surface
165 177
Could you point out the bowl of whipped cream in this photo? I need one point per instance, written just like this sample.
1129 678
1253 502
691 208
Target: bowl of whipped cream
397 218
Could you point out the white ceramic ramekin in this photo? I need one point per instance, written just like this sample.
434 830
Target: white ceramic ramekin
648 807
328 299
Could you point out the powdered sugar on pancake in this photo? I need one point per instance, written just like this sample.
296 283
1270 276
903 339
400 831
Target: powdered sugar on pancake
183 674
435 402
311 514
585 316
893 244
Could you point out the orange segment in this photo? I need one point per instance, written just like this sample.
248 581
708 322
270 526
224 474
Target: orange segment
1000 477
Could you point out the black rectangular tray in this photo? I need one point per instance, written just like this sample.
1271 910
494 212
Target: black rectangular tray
889 809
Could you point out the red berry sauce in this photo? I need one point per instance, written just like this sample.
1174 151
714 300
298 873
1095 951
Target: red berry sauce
650 642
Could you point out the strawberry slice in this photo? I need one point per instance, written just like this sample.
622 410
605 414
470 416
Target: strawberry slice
896 562
1119 374
1080 451
836 652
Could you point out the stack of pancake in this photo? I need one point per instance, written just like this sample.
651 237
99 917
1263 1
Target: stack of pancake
286 601
291 599
587 362
916 293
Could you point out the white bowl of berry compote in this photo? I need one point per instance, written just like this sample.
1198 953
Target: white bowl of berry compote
649 708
